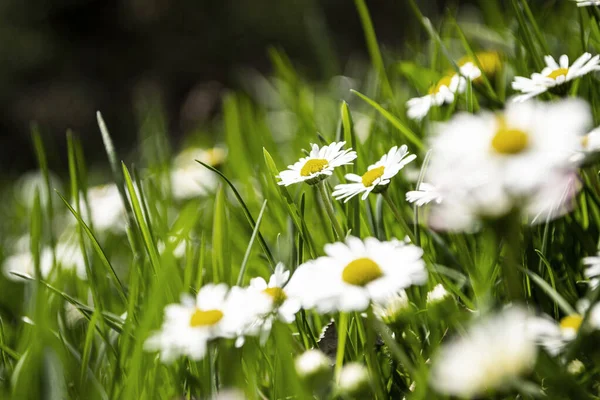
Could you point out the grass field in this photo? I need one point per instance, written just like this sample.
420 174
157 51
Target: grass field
462 264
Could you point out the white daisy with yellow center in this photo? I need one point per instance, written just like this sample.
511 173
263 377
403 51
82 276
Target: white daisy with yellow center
377 178
190 179
554 74
425 194
319 164
489 356
587 3
275 291
443 92
189 326
355 273
554 336
485 165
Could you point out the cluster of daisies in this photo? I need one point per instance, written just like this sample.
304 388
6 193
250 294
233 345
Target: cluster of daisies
351 276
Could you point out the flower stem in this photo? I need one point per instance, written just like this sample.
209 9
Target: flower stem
399 218
342 331
329 209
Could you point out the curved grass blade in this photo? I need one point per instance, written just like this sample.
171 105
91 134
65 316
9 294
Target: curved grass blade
249 248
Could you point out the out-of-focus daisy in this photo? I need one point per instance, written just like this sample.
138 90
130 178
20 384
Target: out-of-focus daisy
554 74
425 194
106 208
378 176
488 164
437 294
591 141
392 308
592 270
275 290
319 164
189 326
27 185
355 272
586 3
552 335
314 369
68 257
354 381
489 63
443 92
190 179
490 356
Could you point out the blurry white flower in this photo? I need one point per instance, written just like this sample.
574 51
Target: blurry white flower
356 272
106 207
489 61
312 362
554 74
275 290
437 294
318 165
442 92
487 164
68 257
377 178
189 326
552 335
575 367
489 356
592 271
425 194
392 307
586 3
354 380
177 251
189 179
229 394
27 185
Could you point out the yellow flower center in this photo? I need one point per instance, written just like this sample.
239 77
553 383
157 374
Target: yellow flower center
313 166
558 72
571 322
585 141
445 81
205 317
509 141
277 294
361 271
370 176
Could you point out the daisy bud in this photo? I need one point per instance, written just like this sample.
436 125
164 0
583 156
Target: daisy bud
314 368
354 381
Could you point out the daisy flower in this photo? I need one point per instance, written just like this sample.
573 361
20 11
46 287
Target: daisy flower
190 179
189 326
354 381
275 290
442 92
377 178
554 336
355 272
425 194
488 164
554 74
492 354
106 208
592 271
489 61
586 3
319 164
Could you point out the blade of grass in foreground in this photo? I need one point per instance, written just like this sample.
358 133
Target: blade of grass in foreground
249 249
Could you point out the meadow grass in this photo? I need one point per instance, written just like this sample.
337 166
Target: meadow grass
66 337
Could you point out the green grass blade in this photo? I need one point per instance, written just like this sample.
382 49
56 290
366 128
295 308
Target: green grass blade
240 278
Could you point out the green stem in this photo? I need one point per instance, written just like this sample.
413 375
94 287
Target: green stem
399 218
342 331
508 232
330 211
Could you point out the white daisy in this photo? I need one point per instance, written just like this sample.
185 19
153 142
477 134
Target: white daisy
354 380
489 61
554 74
442 92
68 257
491 354
425 194
190 179
106 207
378 176
189 326
390 309
275 290
319 164
487 164
586 3
552 335
356 272
592 271
313 363
437 294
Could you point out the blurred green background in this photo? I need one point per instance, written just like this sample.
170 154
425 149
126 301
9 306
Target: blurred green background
64 59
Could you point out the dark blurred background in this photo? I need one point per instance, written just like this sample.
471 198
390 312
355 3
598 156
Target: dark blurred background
61 60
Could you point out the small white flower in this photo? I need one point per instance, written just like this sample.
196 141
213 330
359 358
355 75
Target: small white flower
190 179
312 362
554 74
489 356
586 3
68 257
356 272
442 92
552 335
189 326
485 165
592 271
437 294
354 379
425 194
389 309
106 207
318 165
377 177
275 291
